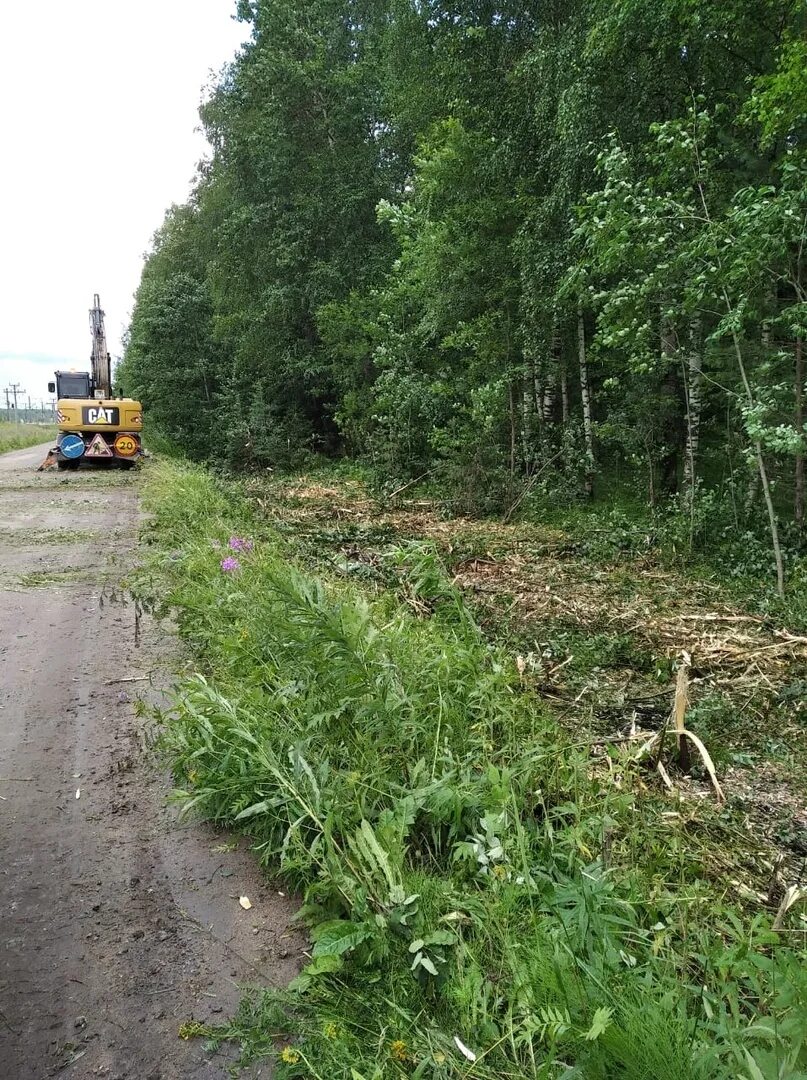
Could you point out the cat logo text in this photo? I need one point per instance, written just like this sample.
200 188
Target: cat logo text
100 414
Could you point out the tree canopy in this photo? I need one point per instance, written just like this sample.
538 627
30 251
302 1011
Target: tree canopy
499 244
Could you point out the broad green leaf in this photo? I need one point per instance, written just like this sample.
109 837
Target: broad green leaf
599 1024
337 937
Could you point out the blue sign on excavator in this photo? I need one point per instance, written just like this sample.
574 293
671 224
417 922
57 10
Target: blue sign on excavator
72 446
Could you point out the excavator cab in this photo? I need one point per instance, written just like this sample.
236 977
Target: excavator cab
71 384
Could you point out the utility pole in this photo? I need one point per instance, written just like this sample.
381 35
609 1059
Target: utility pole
15 390
8 407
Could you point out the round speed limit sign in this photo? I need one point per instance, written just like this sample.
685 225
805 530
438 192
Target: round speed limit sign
126 446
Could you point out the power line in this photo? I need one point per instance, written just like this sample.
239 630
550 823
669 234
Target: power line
16 390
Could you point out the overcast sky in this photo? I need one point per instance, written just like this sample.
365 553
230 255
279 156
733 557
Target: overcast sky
98 135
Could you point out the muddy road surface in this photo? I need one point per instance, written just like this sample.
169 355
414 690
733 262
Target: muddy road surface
119 923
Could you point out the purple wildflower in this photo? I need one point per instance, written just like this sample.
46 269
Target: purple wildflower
237 543
230 564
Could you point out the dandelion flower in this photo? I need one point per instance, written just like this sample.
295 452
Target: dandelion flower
290 1056
398 1050
229 564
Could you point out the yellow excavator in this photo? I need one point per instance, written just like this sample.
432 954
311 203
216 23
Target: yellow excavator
94 425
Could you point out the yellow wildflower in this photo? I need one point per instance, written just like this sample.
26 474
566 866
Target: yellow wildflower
439 1057
330 1030
290 1056
399 1051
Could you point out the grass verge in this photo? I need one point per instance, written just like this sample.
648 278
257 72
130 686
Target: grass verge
20 436
488 895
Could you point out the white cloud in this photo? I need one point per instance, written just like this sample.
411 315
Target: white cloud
98 135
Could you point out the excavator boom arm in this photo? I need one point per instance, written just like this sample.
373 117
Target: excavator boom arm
100 359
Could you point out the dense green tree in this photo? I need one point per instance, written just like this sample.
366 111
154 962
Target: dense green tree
508 246
172 362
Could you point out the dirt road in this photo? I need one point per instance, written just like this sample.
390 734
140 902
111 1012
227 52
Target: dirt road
119 924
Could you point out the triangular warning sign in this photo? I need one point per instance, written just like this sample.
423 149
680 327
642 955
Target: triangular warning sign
98 448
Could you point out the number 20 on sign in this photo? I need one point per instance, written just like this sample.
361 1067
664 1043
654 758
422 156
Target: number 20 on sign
125 445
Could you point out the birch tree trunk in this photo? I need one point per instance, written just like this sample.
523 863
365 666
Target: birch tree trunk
749 397
564 394
528 416
551 381
538 402
550 393
672 419
585 395
694 399
752 494
763 472
513 430
798 501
